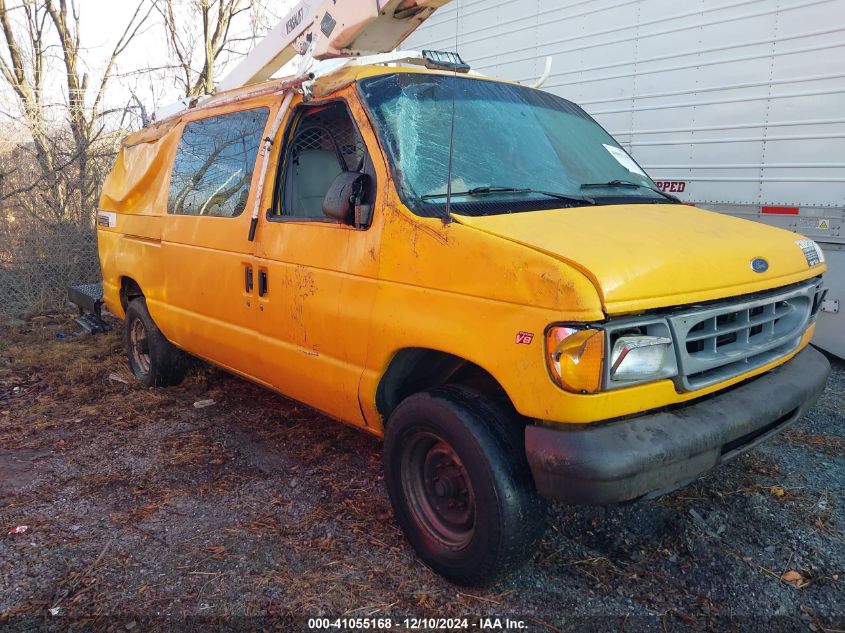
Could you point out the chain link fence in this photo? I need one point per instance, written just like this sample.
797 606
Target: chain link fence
39 261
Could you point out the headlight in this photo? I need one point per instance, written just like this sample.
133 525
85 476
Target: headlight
617 354
639 357
812 252
575 358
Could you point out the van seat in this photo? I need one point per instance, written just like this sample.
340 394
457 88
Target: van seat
316 170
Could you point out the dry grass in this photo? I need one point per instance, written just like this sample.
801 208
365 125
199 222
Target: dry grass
141 506
821 442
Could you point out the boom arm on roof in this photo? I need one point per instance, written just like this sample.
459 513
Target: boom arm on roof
330 28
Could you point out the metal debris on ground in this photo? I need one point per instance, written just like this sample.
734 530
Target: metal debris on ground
116 378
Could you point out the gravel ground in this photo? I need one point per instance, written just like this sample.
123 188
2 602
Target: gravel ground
146 513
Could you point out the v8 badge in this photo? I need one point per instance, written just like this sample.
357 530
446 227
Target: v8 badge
524 338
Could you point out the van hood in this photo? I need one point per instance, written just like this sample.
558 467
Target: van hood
644 256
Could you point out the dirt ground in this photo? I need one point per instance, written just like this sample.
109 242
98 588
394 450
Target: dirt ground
146 513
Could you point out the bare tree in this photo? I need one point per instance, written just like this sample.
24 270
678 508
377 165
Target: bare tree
203 35
66 148
63 123
24 72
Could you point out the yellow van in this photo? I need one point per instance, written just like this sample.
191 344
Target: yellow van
474 270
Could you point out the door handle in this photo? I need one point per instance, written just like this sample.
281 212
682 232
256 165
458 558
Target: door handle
248 279
263 286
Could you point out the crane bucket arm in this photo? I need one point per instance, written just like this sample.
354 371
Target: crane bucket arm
328 28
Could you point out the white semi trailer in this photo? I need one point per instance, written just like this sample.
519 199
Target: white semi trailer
734 105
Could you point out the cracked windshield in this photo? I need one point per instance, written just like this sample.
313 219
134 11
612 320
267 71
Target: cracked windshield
515 148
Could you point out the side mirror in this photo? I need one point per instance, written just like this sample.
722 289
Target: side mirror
344 199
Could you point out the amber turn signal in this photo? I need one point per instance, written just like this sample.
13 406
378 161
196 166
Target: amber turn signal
576 358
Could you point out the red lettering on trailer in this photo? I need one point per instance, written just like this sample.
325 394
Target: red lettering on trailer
781 210
675 186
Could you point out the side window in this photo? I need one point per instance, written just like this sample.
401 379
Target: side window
214 164
325 141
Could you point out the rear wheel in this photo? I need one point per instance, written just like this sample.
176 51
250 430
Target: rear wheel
460 486
152 358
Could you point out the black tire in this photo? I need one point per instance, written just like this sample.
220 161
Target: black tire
154 360
488 474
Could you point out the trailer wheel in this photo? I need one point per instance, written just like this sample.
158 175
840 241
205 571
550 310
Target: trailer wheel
154 360
460 485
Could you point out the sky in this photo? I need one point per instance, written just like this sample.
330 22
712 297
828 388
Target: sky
102 23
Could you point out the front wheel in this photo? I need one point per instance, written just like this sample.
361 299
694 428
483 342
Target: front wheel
154 360
460 485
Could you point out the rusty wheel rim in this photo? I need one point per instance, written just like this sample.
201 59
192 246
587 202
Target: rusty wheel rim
438 490
140 346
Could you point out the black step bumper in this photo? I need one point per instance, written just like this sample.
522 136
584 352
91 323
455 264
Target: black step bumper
89 299
646 456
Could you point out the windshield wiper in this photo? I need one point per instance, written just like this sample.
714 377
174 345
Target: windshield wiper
486 191
631 185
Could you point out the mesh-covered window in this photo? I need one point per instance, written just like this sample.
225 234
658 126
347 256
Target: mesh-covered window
214 164
324 143
331 128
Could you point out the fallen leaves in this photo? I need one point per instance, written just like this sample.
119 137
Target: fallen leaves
795 578
777 491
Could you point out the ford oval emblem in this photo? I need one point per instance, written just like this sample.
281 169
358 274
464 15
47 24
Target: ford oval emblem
759 265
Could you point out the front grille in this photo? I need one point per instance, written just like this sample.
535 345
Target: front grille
720 341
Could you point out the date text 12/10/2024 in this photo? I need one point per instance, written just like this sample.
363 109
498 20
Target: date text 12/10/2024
417 624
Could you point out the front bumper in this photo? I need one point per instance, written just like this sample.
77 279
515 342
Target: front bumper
646 456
